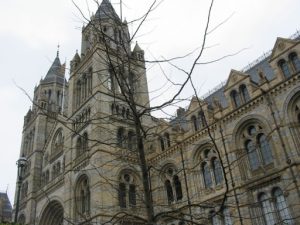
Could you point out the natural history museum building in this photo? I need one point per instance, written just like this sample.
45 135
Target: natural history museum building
230 158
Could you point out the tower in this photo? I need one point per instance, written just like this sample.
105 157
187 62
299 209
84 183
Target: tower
47 106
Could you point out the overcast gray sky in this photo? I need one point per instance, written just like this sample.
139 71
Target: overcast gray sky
30 31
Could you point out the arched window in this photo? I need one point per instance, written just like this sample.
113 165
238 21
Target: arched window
257 146
295 61
252 155
90 80
217 171
162 144
79 146
265 149
82 196
172 185
201 119
235 98
85 142
284 68
267 209
206 175
78 93
177 185
122 195
167 139
58 141
169 190
131 140
245 93
120 137
127 191
282 207
195 123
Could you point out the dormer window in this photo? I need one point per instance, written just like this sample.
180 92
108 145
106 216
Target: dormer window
235 98
295 61
284 68
245 93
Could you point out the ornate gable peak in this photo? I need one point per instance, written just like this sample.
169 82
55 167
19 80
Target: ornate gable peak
281 45
234 77
194 104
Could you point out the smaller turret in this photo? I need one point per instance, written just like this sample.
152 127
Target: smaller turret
75 61
138 53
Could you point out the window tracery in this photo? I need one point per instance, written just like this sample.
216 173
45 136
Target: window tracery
210 167
172 185
127 190
257 146
83 196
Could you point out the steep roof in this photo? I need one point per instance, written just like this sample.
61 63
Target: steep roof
56 72
106 11
6 208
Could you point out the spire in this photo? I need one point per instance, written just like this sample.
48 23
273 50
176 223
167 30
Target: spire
137 48
106 11
56 71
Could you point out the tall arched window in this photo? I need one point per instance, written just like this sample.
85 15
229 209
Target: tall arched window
127 191
131 141
167 139
177 185
85 142
245 93
195 123
201 119
257 146
284 68
82 196
58 141
162 143
79 146
120 137
78 93
265 149
267 209
295 61
218 173
235 98
172 185
206 175
281 207
169 191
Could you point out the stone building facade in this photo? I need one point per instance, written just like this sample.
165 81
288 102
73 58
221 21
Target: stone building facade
230 158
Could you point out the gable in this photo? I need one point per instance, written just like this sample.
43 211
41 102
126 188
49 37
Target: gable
234 77
281 45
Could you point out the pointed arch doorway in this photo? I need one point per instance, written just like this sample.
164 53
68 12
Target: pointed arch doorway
53 214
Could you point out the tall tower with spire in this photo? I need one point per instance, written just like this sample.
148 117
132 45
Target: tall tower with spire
47 106
60 183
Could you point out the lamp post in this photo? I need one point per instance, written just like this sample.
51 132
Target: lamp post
21 163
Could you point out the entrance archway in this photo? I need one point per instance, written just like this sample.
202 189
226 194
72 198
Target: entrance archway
53 214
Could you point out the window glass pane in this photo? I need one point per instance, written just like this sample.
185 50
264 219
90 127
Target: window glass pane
284 68
265 149
268 210
132 195
227 218
252 155
169 190
296 62
282 207
122 195
178 189
207 175
217 171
